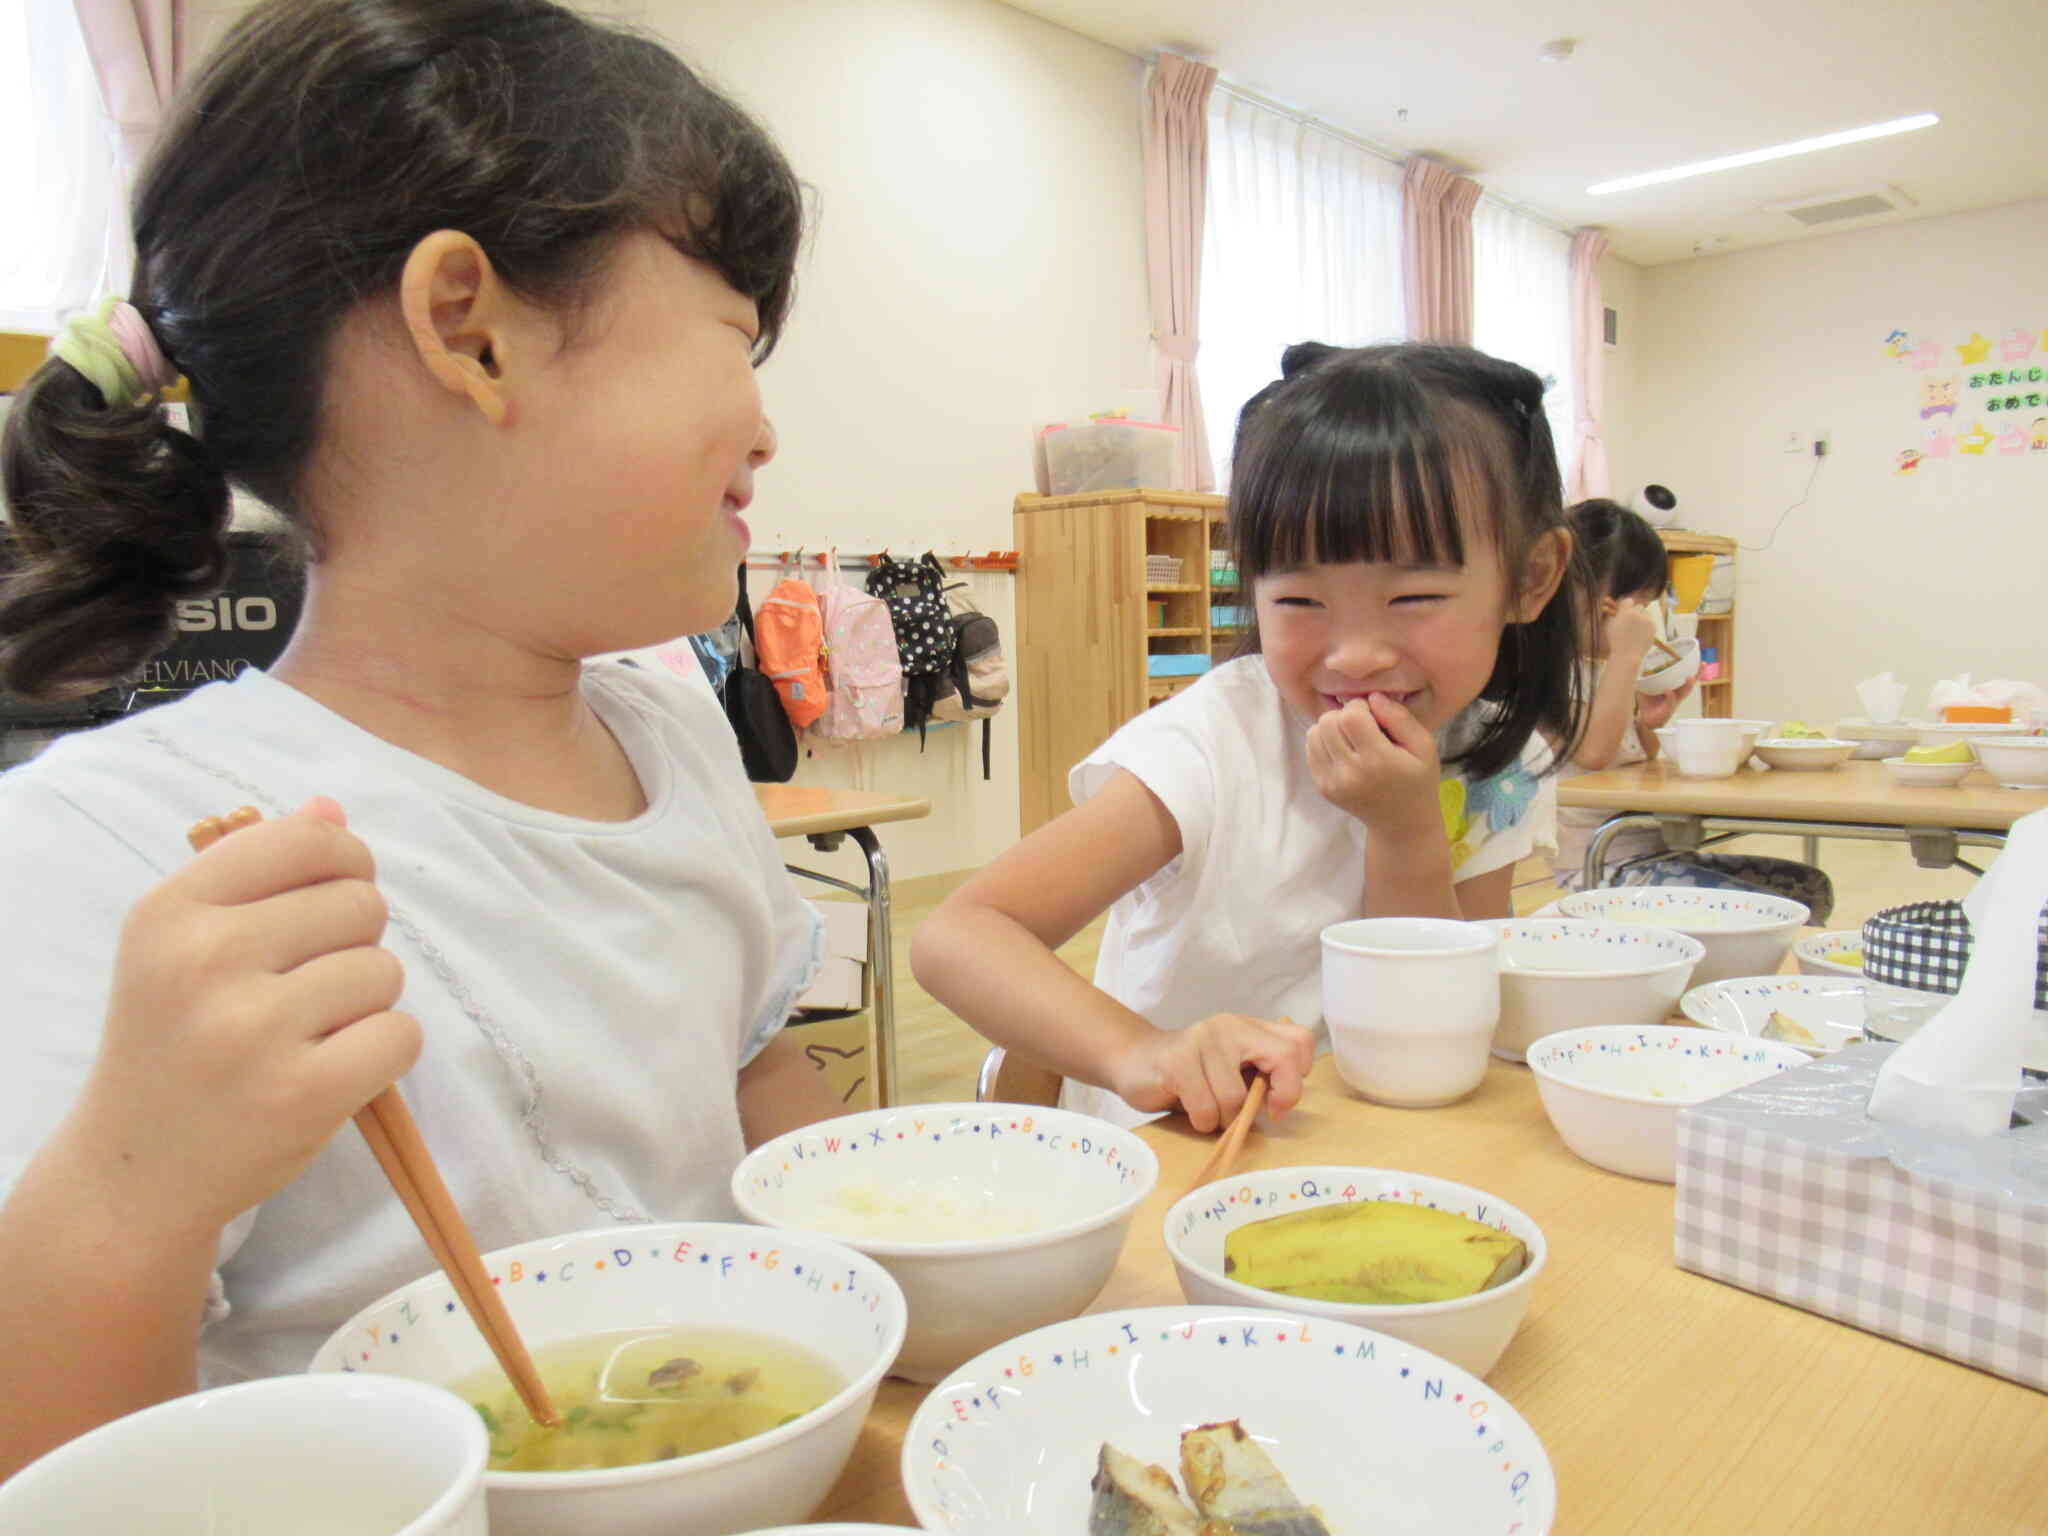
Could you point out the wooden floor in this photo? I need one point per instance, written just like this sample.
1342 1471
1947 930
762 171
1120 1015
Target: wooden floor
938 1056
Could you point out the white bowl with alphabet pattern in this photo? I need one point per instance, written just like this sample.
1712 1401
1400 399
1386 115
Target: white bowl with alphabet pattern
1470 1331
993 1218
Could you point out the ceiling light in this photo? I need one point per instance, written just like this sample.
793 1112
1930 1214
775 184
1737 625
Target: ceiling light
1759 156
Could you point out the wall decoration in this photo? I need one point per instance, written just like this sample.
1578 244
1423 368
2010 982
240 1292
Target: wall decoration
2002 391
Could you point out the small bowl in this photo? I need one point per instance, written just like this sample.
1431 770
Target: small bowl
1874 741
1470 1331
1045 1195
1379 1434
1559 972
1614 1092
1672 674
818 1294
1839 953
1746 933
1706 754
1802 753
2016 762
1927 775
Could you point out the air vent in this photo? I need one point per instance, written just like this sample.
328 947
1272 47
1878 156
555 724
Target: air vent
1834 207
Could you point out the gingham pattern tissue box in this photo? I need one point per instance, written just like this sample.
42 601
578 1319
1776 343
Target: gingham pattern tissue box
1788 1189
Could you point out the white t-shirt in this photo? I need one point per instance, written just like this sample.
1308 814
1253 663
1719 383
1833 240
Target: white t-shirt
1234 923
1576 824
588 990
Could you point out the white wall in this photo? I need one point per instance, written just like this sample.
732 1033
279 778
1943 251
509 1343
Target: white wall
1928 574
977 266
1621 290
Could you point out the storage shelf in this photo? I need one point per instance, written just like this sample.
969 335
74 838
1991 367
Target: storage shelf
1174 632
1173 586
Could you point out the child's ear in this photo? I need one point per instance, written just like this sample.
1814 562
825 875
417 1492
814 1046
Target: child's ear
1542 573
459 317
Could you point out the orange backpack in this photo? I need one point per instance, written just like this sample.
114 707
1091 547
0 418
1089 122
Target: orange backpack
789 643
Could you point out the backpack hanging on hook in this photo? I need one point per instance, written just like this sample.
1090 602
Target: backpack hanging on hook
978 679
915 593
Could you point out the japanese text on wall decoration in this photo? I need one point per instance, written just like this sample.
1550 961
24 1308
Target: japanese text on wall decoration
1973 398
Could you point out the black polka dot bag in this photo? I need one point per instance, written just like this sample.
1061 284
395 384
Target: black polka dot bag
915 592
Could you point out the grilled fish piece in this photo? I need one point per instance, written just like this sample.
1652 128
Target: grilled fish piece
1133 1499
1232 1480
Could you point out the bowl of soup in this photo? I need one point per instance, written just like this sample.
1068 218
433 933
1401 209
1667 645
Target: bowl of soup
994 1218
1744 933
711 1376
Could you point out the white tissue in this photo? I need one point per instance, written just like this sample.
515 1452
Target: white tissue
1959 1072
1883 697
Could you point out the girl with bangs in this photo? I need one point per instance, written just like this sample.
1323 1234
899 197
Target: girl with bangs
471 292
1397 514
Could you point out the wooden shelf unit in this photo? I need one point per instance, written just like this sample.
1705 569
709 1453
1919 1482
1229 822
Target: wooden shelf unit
1716 630
1084 625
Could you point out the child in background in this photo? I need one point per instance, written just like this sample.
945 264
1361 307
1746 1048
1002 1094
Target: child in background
1628 568
1396 513
472 292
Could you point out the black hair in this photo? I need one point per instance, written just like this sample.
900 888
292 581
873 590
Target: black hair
321 141
1622 550
1397 453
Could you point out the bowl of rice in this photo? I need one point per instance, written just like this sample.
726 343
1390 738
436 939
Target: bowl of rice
993 1218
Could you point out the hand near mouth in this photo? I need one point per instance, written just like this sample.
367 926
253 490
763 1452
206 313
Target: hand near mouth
1375 760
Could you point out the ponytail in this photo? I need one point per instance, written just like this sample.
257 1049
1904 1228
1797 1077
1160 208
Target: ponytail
117 515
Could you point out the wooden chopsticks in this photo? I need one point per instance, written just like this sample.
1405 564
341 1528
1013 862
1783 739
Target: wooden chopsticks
1224 1158
1665 649
395 1141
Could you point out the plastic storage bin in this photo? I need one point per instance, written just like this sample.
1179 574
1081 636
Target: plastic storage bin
1108 455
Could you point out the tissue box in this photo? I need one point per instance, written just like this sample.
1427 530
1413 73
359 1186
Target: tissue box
1788 1189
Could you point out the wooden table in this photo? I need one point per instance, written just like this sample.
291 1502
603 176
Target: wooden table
1856 800
1668 1403
826 817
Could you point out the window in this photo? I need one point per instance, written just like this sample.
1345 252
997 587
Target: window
1301 242
57 172
1522 308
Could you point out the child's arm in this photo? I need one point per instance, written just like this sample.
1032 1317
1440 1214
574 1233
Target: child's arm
249 1016
987 954
1628 630
1655 710
779 1090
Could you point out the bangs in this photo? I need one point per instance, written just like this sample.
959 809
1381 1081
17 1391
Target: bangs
1351 465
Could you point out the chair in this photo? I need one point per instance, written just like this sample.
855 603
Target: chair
1007 1079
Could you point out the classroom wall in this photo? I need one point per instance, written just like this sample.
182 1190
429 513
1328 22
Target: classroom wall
1854 567
1621 290
976 267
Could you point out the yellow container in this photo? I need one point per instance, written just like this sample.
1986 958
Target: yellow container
1689 575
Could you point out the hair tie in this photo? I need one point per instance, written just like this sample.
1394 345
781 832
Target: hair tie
112 345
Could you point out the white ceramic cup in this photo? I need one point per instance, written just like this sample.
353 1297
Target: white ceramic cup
1411 1004
1706 749
333 1454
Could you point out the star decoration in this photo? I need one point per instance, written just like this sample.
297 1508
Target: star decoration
1976 349
1976 440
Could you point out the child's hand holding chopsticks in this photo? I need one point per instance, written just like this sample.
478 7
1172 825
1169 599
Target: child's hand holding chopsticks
251 1013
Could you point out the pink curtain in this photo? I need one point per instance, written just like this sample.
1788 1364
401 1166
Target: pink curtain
1588 475
138 50
1436 251
1176 180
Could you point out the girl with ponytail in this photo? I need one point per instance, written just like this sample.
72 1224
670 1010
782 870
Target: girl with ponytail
471 294
1397 514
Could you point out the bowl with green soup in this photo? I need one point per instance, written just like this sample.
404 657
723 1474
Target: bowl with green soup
711 1376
